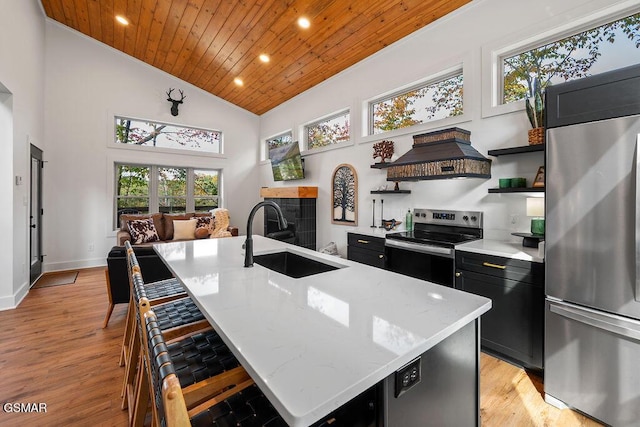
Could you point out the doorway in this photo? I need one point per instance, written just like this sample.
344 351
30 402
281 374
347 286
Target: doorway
35 215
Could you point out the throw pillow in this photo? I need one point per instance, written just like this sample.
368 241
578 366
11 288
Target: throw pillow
202 233
143 231
184 229
204 222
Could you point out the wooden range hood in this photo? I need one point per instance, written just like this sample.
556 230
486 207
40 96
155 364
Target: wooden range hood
443 154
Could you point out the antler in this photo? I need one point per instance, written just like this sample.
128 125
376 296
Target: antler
169 94
181 94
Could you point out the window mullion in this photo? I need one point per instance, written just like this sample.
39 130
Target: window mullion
154 177
191 204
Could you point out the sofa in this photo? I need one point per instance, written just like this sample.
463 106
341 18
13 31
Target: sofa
164 230
160 227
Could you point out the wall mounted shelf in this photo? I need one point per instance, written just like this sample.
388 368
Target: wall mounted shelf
517 190
390 191
381 165
516 150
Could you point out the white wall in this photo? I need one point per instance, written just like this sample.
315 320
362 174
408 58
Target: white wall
462 37
87 84
21 121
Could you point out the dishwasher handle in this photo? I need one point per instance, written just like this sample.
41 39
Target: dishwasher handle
614 324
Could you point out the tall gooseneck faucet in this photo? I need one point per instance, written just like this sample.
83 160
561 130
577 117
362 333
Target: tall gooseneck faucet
248 243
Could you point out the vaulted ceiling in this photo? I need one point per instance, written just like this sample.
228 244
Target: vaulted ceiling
211 43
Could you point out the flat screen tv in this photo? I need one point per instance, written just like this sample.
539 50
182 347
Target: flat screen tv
286 162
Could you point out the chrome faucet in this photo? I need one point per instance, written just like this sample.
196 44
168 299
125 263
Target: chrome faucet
248 243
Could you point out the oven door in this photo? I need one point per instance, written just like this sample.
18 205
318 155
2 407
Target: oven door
422 261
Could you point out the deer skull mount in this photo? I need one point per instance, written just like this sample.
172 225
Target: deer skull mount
175 102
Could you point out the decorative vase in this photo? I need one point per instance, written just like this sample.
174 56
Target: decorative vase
536 136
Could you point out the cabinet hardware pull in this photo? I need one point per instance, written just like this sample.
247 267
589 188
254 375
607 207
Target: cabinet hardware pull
380 256
363 241
488 264
458 274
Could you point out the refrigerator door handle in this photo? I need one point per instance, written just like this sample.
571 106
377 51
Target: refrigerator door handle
637 148
601 321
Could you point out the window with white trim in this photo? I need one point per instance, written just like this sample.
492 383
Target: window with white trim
145 133
329 131
432 100
153 188
602 48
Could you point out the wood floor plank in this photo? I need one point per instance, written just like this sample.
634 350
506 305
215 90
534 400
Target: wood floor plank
54 351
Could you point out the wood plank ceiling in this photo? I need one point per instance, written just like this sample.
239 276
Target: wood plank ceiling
210 43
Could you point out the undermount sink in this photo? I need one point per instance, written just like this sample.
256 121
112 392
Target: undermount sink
292 265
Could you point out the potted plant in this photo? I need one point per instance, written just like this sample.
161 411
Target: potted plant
534 104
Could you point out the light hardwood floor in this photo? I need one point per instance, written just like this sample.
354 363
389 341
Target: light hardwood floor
54 351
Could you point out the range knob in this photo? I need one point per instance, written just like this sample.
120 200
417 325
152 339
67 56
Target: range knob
423 215
466 218
473 218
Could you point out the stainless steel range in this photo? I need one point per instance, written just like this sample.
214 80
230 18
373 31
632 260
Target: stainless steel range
427 252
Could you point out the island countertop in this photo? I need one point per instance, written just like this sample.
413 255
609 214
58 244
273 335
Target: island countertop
314 343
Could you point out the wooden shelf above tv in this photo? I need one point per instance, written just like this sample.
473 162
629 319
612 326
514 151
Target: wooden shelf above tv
289 192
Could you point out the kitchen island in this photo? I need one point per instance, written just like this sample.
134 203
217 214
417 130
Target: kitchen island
315 343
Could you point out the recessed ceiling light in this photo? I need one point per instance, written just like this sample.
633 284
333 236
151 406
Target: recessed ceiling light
264 58
122 20
304 22
238 81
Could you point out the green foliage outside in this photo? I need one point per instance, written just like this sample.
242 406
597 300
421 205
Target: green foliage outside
529 73
132 188
441 99
328 132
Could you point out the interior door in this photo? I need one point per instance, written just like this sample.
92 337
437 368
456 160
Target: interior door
35 215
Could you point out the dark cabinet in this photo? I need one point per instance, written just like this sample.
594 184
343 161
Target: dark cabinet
366 249
514 327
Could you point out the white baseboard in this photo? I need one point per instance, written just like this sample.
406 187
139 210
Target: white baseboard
12 301
73 265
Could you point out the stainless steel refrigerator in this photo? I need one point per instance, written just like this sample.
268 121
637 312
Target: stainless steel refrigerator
592 255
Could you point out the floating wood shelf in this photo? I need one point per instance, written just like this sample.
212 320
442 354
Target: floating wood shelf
390 191
381 165
289 192
517 190
516 150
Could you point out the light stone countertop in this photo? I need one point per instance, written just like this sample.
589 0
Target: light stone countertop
314 343
501 248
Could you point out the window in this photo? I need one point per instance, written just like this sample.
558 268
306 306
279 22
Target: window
431 101
326 132
277 141
161 135
604 48
150 188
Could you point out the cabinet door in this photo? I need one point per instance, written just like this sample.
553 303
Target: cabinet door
373 258
514 325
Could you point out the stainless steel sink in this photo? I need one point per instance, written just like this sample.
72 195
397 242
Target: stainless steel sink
292 265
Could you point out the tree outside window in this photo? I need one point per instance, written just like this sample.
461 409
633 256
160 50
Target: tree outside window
172 190
132 189
607 47
328 132
151 188
162 135
433 101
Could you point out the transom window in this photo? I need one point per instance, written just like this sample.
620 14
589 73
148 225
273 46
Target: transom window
604 48
329 131
144 133
151 188
280 140
433 100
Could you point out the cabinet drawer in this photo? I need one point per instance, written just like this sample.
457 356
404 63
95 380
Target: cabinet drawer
506 268
365 242
365 256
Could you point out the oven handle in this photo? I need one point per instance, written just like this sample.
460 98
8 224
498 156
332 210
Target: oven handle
420 247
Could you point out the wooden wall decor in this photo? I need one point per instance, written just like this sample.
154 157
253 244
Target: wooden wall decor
344 195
